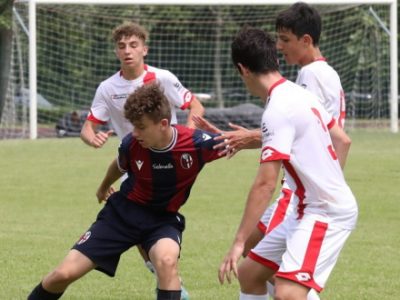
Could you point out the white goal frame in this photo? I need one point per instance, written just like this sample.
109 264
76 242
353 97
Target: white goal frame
32 40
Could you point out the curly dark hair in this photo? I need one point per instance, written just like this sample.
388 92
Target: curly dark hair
148 100
128 29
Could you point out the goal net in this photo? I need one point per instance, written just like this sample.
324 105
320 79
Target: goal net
75 53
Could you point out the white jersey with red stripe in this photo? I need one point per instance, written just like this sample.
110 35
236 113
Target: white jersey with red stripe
295 129
110 97
323 81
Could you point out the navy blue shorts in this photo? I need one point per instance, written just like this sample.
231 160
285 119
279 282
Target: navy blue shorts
122 224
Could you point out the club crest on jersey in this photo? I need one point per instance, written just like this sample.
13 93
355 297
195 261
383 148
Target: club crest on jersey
186 161
139 164
84 238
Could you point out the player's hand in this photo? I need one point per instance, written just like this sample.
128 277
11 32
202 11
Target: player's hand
101 138
234 141
229 263
203 124
103 195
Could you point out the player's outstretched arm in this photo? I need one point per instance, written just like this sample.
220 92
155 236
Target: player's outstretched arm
240 138
232 141
203 124
91 138
105 189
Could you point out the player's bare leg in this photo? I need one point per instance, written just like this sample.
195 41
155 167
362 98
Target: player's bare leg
164 256
255 237
74 266
289 290
252 277
251 242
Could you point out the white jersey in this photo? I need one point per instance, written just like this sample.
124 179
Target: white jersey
110 97
323 81
295 129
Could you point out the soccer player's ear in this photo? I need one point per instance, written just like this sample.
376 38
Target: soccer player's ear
307 39
242 69
145 50
164 124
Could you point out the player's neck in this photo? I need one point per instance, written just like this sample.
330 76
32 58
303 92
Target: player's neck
132 73
313 55
268 82
166 139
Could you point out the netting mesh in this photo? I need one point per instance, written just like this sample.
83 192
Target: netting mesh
75 53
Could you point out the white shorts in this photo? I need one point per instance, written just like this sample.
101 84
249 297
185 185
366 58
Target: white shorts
304 251
283 206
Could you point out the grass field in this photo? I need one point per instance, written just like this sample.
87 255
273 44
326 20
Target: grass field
47 202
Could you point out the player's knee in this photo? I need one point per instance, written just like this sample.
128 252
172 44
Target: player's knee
166 267
288 293
59 277
168 262
282 296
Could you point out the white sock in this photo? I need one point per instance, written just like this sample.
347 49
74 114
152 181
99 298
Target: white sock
150 266
270 289
252 297
313 295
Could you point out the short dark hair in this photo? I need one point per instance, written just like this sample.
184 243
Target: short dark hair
128 29
255 49
301 19
148 100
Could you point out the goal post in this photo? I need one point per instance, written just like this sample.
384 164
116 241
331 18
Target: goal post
375 68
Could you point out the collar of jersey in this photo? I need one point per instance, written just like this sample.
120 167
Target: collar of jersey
171 145
320 59
282 80
139 79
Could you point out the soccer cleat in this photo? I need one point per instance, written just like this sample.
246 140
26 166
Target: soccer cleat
184 293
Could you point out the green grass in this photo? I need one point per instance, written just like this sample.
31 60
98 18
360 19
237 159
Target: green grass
48 200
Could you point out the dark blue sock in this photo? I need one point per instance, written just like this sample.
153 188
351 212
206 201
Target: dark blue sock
39 293
168 295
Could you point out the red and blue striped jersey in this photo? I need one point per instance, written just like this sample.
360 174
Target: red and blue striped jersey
162 179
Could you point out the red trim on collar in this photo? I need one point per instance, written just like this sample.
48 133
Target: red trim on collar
282 80
149 77
320 59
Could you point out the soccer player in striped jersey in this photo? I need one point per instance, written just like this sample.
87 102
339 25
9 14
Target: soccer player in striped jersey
107 107
299 135
162 162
